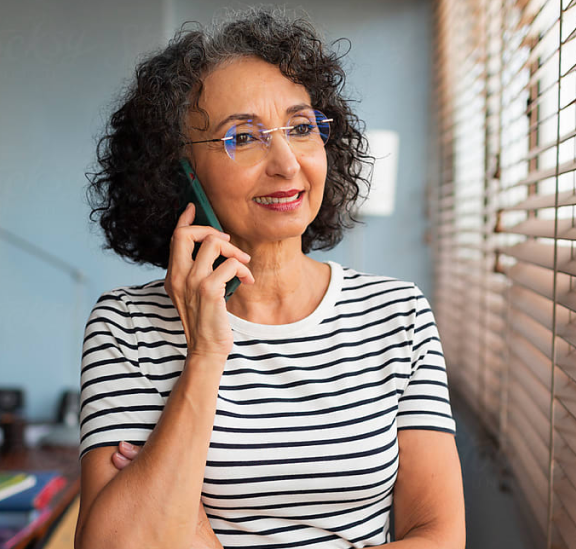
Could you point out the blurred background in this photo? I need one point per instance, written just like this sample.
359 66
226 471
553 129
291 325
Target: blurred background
477 100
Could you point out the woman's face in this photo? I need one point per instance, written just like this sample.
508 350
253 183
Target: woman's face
238 193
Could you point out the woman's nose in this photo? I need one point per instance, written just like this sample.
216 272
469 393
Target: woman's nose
281 158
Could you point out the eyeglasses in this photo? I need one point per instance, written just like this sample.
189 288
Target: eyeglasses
248 142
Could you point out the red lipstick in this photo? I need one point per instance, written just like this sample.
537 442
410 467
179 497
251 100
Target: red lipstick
283 194
281 201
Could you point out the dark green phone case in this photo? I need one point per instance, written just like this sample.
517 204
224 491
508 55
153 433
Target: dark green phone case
193 192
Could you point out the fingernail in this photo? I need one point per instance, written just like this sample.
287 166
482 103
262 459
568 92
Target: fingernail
121 457
127 445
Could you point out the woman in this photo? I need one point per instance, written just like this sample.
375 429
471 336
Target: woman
296 413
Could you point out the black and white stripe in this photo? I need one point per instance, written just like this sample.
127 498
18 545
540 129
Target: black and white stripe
304 450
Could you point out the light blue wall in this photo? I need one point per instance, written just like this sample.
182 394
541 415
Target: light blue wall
61 63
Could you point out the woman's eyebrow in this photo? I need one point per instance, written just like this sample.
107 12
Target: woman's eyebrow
238 116
251 116
296 108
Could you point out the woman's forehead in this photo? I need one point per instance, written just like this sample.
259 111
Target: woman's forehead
250 85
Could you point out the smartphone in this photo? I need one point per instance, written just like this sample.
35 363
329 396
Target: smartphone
193 192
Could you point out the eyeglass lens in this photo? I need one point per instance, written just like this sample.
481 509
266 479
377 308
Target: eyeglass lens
248 142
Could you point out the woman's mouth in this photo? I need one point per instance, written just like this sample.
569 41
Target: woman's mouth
280 201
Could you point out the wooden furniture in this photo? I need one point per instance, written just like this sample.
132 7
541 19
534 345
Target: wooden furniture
63 459
62 537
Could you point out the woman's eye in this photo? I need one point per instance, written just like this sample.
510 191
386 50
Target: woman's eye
302 130
244 138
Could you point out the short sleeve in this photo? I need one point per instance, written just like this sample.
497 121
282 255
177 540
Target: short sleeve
425 401
118 402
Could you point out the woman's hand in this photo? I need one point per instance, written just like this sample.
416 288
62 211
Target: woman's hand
197 290
124 455
205 537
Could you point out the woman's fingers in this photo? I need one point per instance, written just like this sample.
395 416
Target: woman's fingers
119 461
129 450
183 241
187 216
212 247
124 455
185 237
182 245
183 268
228 270
179 245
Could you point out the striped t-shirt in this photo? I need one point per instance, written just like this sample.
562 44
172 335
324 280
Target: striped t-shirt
304 449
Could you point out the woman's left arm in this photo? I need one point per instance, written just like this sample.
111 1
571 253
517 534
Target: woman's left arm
428 493
205 537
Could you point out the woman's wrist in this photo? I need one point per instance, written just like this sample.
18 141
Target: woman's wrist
206 357
205 363
200 378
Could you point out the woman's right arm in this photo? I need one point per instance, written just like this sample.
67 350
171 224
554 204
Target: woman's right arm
154 501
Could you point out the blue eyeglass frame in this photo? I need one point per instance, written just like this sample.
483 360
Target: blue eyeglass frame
320 119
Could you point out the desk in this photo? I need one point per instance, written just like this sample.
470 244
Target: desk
47 458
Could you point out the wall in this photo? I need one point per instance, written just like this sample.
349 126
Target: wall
61 64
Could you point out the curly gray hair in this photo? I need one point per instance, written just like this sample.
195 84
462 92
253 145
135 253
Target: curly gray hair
136 193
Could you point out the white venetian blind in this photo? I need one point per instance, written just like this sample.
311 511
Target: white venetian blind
504 228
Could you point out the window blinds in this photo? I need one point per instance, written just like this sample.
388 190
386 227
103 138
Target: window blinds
502 204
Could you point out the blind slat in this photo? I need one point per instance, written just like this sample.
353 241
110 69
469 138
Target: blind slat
566 427
537 201
532 383
536 307
532 277
535 444
565 457
541 175
567 332
538 424
566 496
543 228
534 483
541 281
532 331
565 391
542 255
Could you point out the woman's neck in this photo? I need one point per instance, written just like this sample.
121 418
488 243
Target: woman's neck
289 285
